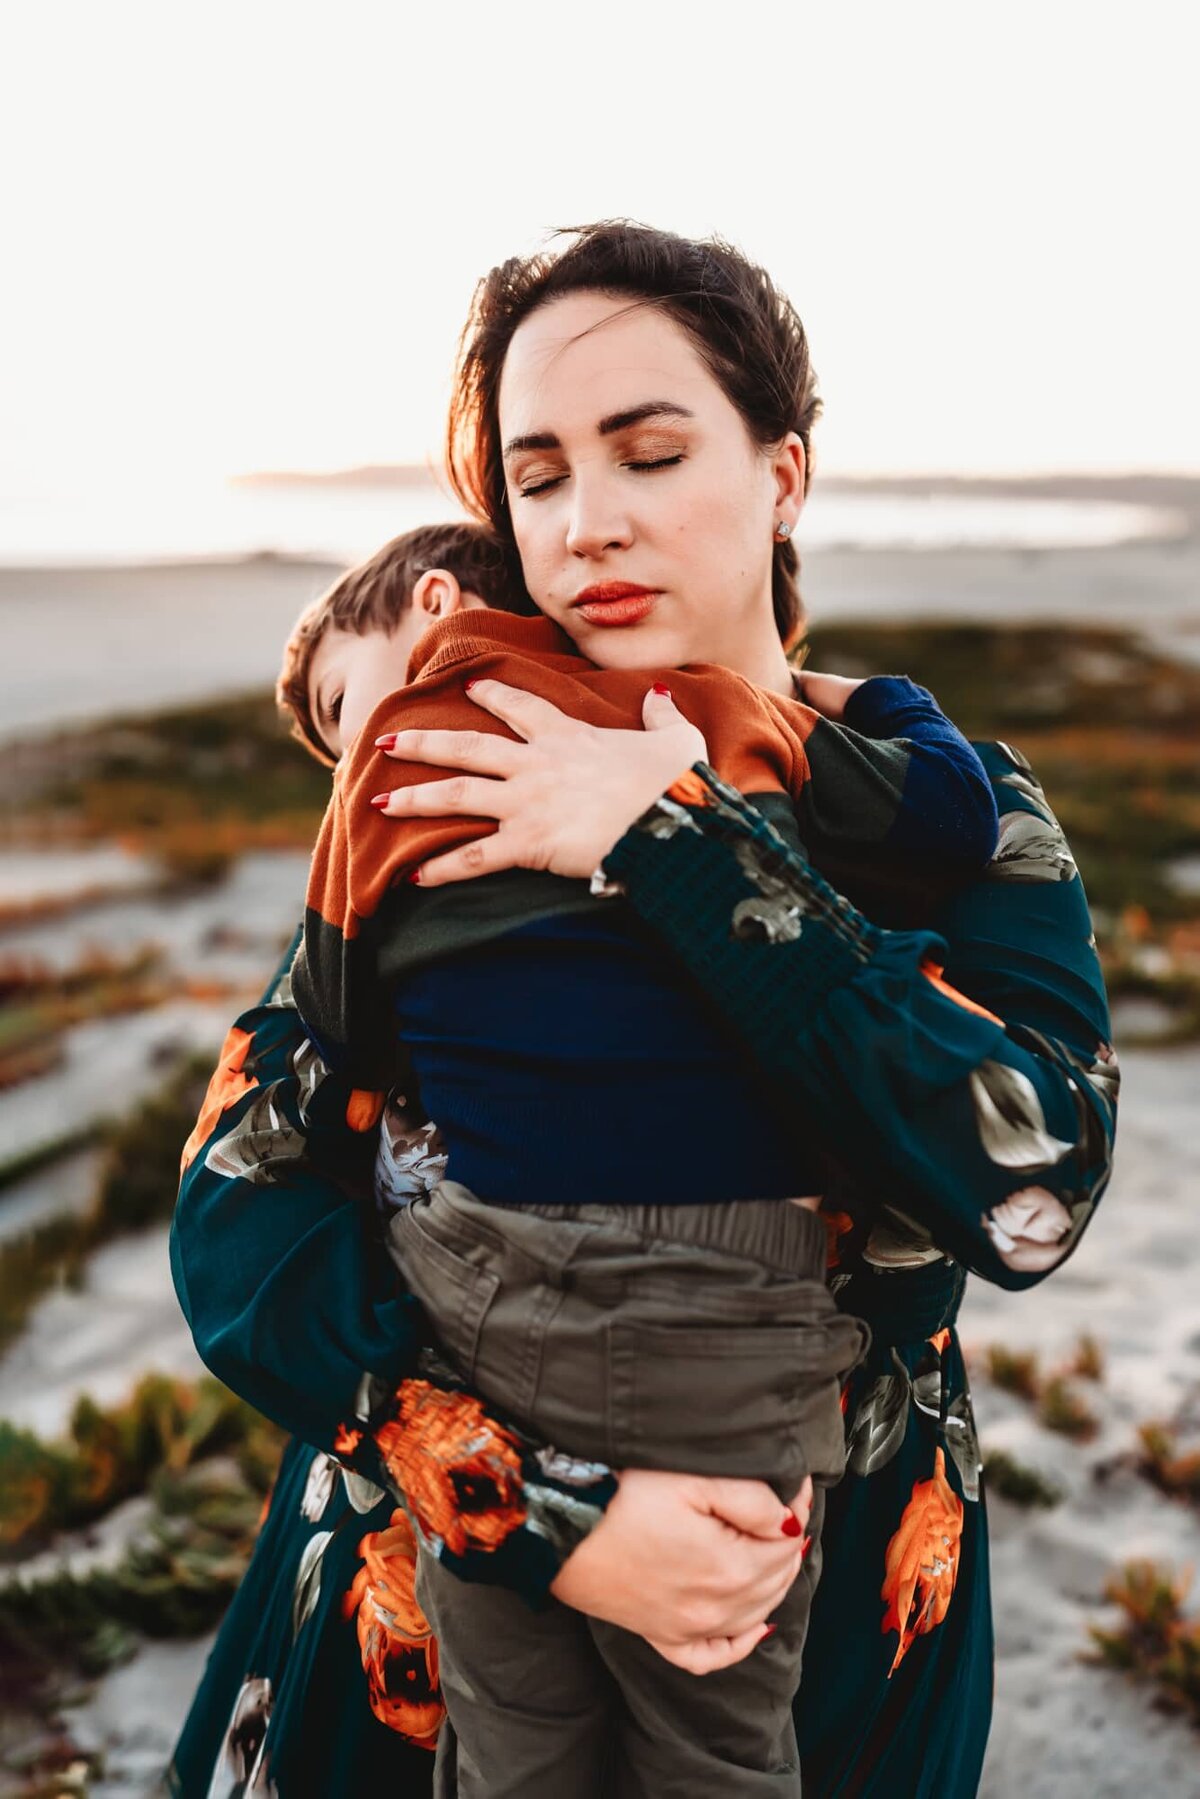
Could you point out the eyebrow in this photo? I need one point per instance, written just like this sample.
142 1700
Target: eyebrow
615 421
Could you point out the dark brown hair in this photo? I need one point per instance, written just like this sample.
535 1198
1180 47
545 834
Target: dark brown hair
748 333
374 596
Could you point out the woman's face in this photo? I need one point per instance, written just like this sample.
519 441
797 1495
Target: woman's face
643 512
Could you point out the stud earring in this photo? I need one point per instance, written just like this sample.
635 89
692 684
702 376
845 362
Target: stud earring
783 531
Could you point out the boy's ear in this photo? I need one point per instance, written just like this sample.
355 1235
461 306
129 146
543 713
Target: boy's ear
437 594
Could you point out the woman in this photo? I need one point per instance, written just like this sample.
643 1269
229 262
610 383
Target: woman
633 417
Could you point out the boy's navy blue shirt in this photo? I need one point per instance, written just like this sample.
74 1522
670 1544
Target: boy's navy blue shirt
536 1051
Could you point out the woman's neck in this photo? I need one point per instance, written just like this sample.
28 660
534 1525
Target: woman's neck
767 666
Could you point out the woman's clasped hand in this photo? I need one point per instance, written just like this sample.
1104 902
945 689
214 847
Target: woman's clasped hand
658 1531
562 796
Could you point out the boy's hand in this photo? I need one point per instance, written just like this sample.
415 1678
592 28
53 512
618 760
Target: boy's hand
826 694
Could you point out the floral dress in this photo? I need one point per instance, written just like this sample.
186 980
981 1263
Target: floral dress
964 1083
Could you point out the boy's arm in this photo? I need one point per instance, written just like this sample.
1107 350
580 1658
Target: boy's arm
295 1305
985 1112
895 775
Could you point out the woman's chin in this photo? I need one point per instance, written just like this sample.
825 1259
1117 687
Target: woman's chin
649 645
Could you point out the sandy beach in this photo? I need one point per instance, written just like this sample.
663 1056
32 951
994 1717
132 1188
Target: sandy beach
91 643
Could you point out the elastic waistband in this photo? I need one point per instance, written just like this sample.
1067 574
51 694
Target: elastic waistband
788 1238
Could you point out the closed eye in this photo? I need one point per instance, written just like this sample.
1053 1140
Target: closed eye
531 492
535 488
660 462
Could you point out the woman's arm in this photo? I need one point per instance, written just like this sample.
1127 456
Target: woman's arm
985 1110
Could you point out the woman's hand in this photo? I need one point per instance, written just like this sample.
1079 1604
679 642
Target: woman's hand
563 796
694 1564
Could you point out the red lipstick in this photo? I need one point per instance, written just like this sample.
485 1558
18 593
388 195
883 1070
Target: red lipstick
615 603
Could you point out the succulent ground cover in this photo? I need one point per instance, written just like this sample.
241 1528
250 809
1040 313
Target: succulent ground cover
1155 1641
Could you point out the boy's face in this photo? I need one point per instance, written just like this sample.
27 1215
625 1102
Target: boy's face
351 674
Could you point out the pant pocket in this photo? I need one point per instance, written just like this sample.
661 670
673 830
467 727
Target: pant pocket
760 1402
456 1293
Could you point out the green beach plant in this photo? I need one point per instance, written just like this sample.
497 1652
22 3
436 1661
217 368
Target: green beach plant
1005 1476
1153 1642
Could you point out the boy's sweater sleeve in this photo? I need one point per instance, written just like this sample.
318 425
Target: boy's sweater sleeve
898 776
294 1303
984 1111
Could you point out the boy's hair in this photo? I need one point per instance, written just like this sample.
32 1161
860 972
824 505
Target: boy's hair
374 596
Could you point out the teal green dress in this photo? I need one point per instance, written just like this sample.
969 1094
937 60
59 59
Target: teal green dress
962 1079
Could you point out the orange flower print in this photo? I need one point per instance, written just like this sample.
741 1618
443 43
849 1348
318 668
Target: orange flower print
922 1561
837 1225
933 973
347 1439
399 1651
459 1469
227 1086
364 1109
940 1340
689 789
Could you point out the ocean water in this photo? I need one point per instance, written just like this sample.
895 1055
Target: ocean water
343 522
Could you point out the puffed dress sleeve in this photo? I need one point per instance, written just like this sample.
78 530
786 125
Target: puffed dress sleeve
966 1072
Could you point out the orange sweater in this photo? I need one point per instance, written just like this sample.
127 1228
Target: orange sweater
755 742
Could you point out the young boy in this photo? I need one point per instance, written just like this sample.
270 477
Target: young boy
619 1278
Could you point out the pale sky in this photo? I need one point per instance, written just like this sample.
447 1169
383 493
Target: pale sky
244 235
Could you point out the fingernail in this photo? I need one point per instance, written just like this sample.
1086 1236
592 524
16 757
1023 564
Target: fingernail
805 1546
474 682
415 877
380 799
387 741
792 1526
768 1632
661 687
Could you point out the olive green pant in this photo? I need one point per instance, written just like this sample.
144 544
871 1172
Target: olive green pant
701 1339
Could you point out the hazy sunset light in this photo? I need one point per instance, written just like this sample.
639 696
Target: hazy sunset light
245 236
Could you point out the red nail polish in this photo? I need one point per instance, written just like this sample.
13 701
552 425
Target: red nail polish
380 799
792 1526
768 1632
806 1546
415 877
473 682
387 741
661 687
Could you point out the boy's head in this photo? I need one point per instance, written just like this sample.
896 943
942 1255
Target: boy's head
350 648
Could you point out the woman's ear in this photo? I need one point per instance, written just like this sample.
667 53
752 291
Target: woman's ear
437 594
789 467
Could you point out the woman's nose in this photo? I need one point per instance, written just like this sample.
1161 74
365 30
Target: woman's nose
597 521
